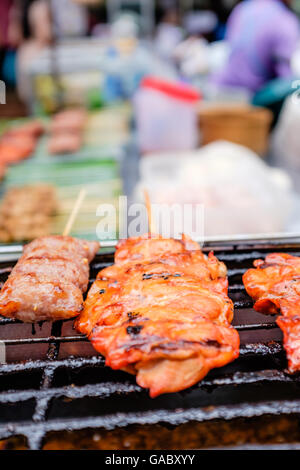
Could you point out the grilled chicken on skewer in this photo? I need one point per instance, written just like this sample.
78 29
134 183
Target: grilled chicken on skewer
161 312
49 279
274 284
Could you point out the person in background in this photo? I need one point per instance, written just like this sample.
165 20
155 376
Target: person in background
222 8
262 35
70 18
5 7
10 35
168 34
38 35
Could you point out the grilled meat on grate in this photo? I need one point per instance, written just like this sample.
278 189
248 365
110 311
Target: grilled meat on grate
274 284
47 393
48 281
161 312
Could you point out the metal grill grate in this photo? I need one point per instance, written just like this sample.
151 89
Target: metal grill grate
53 380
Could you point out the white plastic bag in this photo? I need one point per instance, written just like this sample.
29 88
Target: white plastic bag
239 192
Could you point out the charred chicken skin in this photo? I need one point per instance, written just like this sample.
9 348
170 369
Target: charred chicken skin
161 312
49 280
274 284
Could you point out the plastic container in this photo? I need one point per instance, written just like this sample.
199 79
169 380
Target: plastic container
166 116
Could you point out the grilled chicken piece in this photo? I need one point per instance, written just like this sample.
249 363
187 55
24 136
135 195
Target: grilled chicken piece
19 142
275 287
154 284
149 247
68 121
13 149
49 279
32 128
64 143
161 312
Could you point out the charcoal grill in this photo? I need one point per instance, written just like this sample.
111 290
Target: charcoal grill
53 380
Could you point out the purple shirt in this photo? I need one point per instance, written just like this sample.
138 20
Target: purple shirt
262 35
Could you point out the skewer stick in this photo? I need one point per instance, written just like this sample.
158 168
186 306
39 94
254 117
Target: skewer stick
151 222
74 212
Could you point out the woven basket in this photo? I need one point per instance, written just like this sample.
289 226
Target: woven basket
241 124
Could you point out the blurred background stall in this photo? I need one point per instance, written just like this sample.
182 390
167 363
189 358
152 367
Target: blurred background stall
195 100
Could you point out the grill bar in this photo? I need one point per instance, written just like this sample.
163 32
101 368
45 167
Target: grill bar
175 418
110 389
75 391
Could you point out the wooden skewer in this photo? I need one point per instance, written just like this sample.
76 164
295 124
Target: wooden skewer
74 212
151 222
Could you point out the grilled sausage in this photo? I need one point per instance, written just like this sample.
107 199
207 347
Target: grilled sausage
49 279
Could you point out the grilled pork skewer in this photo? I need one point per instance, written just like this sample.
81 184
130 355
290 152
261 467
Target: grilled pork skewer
49 279
162 313
274 284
